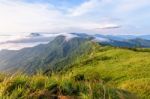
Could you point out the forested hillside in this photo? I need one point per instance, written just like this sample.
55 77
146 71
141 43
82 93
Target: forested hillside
54 55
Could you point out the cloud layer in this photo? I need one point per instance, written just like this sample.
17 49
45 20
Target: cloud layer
21 16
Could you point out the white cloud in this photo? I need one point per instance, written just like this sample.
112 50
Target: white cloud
127 6
19 16
88 7
84 8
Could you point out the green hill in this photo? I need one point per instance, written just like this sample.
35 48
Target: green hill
102 73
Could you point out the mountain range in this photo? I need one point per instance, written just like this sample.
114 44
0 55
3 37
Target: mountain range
62 50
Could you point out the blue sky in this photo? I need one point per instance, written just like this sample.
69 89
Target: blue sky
57 2
92 16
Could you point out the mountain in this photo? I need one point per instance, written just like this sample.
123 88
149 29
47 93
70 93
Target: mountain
123 40
61 51
34 39
131 43
147 37
35 34
105 72
57 53
139 42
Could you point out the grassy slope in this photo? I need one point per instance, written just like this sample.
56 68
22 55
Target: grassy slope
121 68
106 72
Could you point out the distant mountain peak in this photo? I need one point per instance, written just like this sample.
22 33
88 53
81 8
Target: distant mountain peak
68 36
34 34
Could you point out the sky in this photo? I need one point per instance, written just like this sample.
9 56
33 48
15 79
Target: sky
91 16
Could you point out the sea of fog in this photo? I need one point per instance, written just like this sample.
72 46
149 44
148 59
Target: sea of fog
24 40
19 41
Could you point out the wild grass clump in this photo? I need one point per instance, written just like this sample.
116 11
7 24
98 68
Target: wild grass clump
14 86
2 77
38 82
138 86
40 86
11 83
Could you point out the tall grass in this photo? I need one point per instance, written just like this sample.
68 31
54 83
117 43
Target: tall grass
40 86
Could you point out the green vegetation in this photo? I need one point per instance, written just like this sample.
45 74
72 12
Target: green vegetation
104 73
40 86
